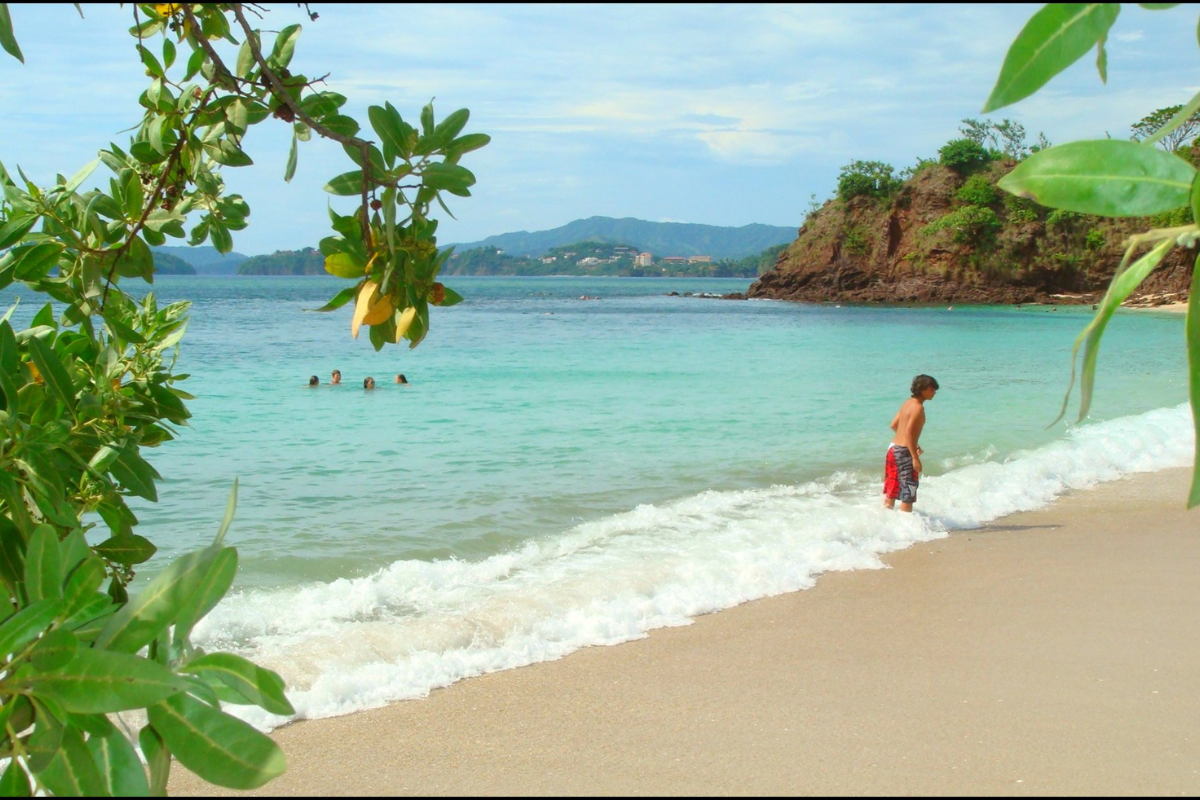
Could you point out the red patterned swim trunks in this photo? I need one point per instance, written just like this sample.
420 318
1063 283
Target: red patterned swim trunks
899 482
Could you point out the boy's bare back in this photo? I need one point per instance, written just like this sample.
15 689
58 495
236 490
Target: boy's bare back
909 421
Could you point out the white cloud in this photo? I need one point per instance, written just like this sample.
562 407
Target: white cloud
653 111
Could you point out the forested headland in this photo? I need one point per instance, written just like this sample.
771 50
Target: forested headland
942 231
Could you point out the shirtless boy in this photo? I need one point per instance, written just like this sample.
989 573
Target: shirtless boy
902 469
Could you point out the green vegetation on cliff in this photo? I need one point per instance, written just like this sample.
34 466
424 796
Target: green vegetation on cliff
942 231
306 261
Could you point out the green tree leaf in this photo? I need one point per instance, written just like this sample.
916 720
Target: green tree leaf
54 650
71 771
450 297
120 768
260 686
1193 350
465 144
27 624
43 565
82 585
34 262
7 40
208 591
344 265
1054 38
101 682
220 237
392 129
56 377
12 551
452 125
449 177
74 550
347 184
1123 284
1107 177
290 171
136 260
341 298
128 549
15 228
135 474
285 46
158 759
227 518
46 741
14 782
154 608
219 748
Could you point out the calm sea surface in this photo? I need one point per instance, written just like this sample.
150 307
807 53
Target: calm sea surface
563 472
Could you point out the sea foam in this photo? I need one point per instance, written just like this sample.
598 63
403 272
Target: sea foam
415 626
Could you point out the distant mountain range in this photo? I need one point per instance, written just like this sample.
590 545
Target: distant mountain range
659 238
205 259
167 264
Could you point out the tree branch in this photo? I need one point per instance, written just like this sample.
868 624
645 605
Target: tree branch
285 97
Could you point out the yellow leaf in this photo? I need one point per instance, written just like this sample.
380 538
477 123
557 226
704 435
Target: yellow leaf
33 370
403 320
362 306
381 308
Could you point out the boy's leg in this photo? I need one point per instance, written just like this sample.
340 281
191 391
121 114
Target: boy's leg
905 507
889 502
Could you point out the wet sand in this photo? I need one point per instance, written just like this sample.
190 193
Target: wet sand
1053 652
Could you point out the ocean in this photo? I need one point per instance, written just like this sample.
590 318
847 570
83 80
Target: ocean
561 472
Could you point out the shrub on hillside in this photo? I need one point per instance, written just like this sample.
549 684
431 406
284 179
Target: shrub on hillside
978 191
963 155
1021 209
975 225
1173 218
866 178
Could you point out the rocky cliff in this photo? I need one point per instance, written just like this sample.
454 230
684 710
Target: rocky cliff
945 238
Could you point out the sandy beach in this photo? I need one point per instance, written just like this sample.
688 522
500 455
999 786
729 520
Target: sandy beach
1053 652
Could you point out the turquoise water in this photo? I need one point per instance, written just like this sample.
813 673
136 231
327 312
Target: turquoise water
562 472
529 410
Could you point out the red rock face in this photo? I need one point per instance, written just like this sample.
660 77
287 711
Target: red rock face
883 251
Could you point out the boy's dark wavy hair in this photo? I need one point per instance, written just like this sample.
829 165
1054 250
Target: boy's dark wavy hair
923 382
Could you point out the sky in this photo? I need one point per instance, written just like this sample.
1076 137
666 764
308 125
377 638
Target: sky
712 114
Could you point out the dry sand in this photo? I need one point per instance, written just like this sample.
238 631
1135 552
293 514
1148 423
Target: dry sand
1054 652
1178 308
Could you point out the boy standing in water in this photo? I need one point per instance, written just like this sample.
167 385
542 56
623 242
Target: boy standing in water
902 469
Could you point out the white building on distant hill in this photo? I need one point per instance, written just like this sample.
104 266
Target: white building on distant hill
643 260
699 259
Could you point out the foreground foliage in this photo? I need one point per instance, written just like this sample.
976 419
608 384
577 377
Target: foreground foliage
1107 177
89 384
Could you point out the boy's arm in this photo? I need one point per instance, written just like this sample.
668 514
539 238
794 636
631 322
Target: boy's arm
896 422
918 424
